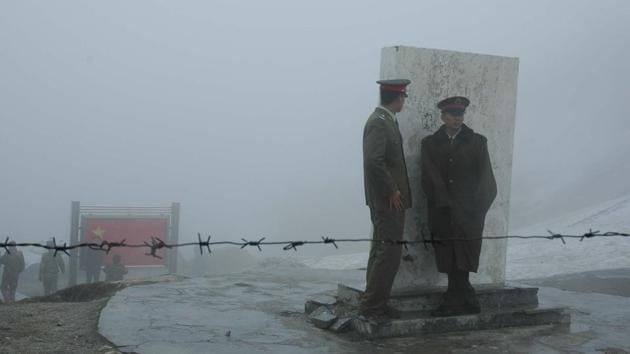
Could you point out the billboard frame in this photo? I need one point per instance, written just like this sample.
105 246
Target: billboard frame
80 214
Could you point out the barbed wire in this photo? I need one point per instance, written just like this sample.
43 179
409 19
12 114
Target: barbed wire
155 244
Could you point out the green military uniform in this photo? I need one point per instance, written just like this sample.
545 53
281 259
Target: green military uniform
13 263
49 268
115 271
385 172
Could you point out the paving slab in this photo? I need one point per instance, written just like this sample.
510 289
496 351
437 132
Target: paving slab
322 317
264 311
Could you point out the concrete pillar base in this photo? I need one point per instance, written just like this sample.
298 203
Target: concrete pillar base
421 323
500 307
413 300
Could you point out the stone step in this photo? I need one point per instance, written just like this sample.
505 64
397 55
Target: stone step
490 298
419 323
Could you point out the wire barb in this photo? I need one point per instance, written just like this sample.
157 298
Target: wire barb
202 243
554 235
107 246
589 234
404 243
6 245
156 244
252 243
63 248
293 245
330 240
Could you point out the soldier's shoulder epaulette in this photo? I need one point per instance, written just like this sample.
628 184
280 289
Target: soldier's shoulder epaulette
378 115
377 118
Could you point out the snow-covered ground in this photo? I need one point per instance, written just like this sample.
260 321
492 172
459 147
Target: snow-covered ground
540 258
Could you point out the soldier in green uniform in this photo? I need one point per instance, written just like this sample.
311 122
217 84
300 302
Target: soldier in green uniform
13 262
459 184
116 271
387 194
49 268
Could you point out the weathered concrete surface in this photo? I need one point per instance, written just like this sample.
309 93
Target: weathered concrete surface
322 317
341 325
316 301
491 83
490 298
501 307
263 309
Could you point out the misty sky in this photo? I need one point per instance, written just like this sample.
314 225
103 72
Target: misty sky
251 113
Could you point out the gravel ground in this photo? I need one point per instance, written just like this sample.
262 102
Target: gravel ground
64 322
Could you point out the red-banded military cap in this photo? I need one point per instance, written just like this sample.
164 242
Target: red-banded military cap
455 104
397 85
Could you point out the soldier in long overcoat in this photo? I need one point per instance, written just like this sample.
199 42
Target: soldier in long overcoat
115 271
387 194
459 184
13 262
49 269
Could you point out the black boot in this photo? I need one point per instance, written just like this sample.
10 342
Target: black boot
471 303
459 299
449 306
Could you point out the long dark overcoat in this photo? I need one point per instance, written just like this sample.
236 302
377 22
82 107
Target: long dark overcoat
459 184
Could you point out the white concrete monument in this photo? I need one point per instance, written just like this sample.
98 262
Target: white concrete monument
490 82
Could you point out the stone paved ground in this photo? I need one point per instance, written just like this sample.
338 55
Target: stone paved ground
261 311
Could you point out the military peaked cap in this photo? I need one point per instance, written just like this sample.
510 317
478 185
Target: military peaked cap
397 85
455 105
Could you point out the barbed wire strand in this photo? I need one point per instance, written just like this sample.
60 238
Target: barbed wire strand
155 244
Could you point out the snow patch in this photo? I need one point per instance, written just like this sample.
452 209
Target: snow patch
541 258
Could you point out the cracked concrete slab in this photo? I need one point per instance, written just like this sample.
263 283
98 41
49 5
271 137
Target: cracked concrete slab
263 309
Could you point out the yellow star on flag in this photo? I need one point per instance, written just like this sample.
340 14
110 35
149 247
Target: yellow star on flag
99 232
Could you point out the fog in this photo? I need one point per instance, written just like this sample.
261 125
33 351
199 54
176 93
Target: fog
251 113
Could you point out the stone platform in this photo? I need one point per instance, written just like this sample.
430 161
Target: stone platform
490 298
412 324
500 307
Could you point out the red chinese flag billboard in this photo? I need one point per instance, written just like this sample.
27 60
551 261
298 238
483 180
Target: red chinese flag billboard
134 230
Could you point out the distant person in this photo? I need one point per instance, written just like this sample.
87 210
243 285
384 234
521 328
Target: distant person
387 194
13 262
116 271
92 263
49 269
459 184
